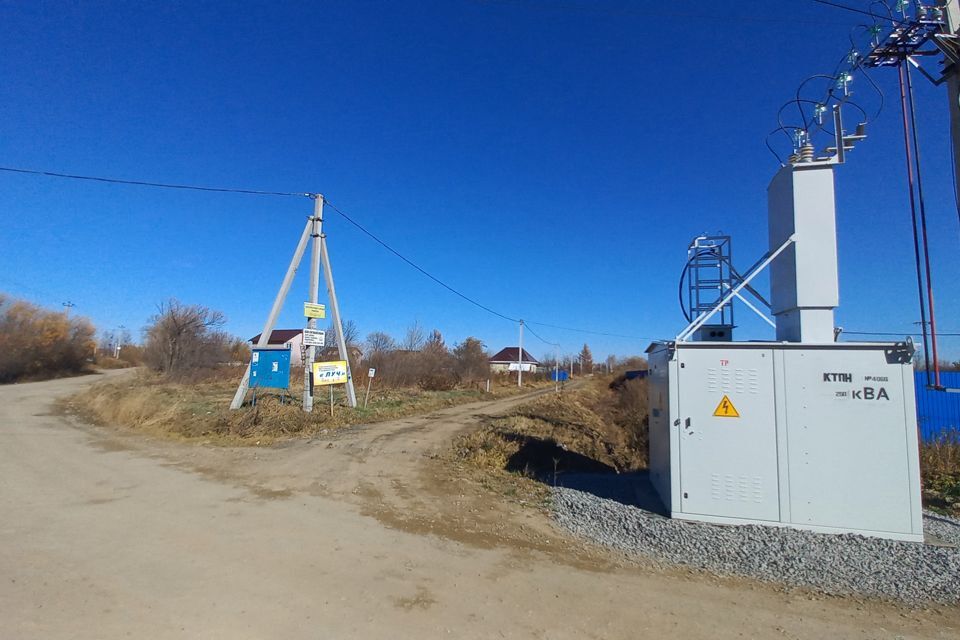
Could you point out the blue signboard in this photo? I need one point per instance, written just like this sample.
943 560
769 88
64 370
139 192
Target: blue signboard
270 368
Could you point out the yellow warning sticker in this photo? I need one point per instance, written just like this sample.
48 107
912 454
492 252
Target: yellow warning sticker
726 409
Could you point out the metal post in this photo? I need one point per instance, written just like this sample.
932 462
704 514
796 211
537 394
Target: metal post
274 311
367 397
952 14
556 369
337 324
314 291
520 358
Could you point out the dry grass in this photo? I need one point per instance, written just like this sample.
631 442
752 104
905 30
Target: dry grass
591 428
200 409
940 469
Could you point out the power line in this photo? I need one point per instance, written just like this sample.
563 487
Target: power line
645 12
894 333
578 330
861 11
416 266
552 344
367 232
162 185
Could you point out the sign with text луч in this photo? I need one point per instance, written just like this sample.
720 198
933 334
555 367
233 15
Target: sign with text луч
334 372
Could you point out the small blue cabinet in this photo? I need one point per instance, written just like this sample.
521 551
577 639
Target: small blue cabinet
270 368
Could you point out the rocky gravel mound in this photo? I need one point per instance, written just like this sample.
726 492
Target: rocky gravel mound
832 564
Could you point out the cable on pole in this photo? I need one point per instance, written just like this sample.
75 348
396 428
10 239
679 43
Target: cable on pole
162 185
413 264
536 335
923 226
913 217
341 213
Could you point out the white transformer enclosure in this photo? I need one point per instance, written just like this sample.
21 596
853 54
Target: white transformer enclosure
817 436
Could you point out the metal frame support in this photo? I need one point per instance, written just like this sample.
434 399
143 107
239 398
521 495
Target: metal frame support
753 308
684 335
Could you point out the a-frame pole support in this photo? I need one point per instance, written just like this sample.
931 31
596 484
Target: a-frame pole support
275 310
338 325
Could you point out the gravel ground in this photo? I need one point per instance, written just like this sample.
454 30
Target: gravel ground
832 564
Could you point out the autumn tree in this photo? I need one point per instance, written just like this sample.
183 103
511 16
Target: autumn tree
472 361
586 360
437 365
414 338
379 346
35 342
183 338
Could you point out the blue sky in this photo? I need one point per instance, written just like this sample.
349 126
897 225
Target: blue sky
550 158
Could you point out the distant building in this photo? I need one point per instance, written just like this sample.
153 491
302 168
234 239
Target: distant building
507 360
290 338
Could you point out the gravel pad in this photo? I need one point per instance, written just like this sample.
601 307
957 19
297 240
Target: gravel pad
832 564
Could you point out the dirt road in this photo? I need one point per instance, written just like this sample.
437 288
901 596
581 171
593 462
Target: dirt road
109 535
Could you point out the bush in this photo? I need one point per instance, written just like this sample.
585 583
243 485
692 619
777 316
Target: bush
36 343
183 340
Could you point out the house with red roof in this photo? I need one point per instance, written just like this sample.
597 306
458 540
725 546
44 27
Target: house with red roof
290 338
508 359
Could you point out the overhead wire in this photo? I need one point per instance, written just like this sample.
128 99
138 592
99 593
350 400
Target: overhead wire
861 11
413 264
340 212
894 333
541 339
585 331
162 185
913 217
923 225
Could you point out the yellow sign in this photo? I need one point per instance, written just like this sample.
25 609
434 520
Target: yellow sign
726 409
330 372
313 310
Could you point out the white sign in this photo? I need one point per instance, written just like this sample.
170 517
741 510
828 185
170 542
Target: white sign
371 373
514 366
314 337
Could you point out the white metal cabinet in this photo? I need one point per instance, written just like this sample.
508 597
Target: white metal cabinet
728 465
846 440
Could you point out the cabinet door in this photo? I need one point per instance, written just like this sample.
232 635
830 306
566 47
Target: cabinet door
728 435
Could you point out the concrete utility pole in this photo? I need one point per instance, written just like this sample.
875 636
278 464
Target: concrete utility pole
951 10
520 358
556 368
275 310
120 331
338 325
313 293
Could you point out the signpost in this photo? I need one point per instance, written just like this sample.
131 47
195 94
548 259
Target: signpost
370 374
330 373
314 337
314 310
334 372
